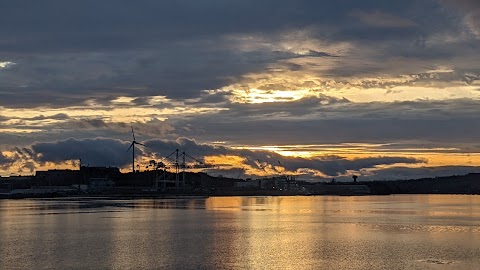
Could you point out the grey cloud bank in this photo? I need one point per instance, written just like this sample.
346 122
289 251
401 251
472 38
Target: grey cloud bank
90 49
111 152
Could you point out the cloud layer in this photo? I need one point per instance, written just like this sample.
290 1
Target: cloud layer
221 160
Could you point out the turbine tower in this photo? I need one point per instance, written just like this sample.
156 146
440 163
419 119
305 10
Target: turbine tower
132 145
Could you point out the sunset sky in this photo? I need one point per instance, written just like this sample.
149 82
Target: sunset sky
319 89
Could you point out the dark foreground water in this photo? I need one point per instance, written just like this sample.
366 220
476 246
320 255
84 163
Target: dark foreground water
384 232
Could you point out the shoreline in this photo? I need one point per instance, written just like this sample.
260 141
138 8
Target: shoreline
190 195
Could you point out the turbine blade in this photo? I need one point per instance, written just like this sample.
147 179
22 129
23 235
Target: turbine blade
133 133
141 144
130 146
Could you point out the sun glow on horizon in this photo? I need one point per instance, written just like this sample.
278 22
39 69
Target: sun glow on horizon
427 156
233 164
255 96
6 64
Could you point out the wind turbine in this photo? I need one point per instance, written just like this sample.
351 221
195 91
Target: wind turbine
132 145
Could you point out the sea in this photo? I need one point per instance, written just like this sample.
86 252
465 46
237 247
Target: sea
291 232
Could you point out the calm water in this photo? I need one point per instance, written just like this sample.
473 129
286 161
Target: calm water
384 232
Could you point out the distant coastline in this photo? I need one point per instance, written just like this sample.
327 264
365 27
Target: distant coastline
464 184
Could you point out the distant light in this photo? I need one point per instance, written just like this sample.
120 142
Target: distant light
6 64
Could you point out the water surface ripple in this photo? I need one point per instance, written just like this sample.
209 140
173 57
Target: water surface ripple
313 232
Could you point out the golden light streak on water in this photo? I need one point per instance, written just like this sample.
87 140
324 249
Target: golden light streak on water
309 232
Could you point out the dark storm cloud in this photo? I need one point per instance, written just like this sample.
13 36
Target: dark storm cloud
384 20
87 25
110 152
311 122
58 116
214 99
95 152
315 120
302 107
165 147
262 159
334 165
472 10
328 165
181 71
66 53
83 129
4 160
